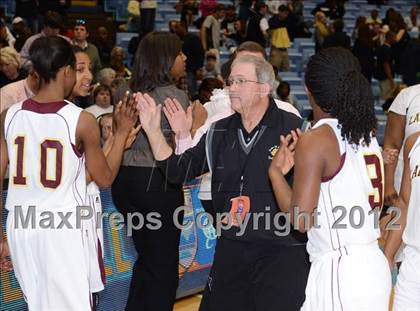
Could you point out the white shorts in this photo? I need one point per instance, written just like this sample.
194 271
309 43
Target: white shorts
407 289
357 280
50 265
397 184
94 237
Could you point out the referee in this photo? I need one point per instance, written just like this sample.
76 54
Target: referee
257 266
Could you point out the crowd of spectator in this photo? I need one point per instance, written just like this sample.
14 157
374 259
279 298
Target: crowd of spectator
386 46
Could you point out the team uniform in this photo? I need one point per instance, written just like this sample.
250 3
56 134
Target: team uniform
407 104
51 263
348 270
407 289
94 230
94 227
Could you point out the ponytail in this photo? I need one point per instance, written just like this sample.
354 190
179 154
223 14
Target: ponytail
334 79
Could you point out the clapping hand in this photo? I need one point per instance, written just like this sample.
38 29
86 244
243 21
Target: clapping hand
125 115
283 161
149 113
179 120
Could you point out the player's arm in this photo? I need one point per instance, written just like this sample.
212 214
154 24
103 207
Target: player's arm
394 136
104 170
394 239
308 170
107 147
5 264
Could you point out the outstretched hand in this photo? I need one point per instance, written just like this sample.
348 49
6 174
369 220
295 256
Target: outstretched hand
149 113
179 120
125 114
199 115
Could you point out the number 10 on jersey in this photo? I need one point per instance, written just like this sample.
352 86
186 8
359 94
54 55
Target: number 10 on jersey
46 147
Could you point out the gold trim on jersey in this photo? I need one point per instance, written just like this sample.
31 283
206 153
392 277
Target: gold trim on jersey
15 162
47 175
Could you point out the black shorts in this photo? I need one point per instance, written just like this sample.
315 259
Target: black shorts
256 276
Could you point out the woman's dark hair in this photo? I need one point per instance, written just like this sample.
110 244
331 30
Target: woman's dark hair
365 36
396 21
154 59
283 85
206 88
48 55
209 84
338 87
360 20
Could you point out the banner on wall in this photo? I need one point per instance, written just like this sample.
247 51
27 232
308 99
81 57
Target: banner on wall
196 252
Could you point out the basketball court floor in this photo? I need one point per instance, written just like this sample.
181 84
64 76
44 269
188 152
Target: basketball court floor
190 303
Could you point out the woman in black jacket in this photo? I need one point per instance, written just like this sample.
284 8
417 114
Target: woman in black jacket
141 188
363 49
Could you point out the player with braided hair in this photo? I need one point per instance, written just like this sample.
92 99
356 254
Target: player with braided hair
338 188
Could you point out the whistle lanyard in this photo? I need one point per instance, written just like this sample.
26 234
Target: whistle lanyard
255 139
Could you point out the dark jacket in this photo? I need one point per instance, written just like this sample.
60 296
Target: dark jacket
366 56
337 39
223 148
254 32
194 51
140 153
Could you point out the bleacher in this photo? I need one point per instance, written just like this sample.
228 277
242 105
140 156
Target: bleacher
299 53
302 48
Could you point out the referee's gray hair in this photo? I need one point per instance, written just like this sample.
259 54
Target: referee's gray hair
263 69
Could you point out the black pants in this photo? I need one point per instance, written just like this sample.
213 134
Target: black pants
155 272
256 277
208 207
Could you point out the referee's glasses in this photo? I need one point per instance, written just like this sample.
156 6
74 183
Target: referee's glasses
239 81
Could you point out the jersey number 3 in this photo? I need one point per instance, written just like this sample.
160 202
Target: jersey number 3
47 145
374 167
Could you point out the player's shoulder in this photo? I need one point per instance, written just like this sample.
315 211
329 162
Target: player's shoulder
71 107
320 139
316 135
411 141
86 121
70 112
407 97
412 91
10 111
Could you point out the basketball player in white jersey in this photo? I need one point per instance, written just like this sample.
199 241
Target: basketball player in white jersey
403 120
338 174
47 141
92 225
407 289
